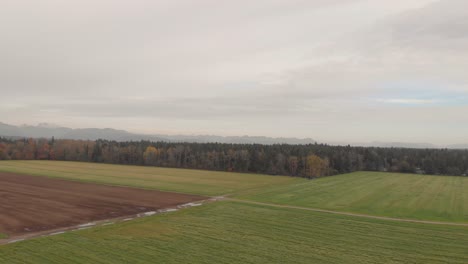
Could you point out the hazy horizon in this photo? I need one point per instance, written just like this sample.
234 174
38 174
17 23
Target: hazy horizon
170 137
331 70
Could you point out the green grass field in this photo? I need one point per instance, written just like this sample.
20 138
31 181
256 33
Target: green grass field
233 232
178 180
422 197
238 232
441 198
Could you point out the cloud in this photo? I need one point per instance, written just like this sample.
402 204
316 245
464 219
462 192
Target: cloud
332 70
440 25
406 101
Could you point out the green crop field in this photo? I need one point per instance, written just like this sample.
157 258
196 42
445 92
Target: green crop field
424 197
239 232
234 232
166 179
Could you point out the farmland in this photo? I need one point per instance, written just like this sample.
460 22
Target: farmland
239 231
164 179
34 204
232 232
440 198
423 197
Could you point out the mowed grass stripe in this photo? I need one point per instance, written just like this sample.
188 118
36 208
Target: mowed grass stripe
350 214
420 197
167 179
232 232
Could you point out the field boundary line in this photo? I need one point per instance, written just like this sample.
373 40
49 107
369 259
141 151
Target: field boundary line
348 213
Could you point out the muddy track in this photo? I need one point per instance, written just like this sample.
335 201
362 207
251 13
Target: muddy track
349 214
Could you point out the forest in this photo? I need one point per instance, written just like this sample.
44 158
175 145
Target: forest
309 161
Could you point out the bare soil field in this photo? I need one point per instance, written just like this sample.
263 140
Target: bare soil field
30 204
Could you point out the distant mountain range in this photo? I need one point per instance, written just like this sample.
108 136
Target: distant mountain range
45 130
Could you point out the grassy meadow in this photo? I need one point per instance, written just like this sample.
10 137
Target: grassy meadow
239 232
201 182
234 232
424 197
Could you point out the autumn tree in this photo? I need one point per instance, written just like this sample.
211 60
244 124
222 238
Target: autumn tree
293 164
150 155
43 152
3 152
315 166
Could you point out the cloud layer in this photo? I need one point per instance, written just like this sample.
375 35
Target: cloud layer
347 70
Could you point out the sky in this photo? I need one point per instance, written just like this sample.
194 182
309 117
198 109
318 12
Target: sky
332 70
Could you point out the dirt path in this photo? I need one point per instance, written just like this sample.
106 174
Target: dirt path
349 214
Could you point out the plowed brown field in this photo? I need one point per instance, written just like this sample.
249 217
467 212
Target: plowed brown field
31 204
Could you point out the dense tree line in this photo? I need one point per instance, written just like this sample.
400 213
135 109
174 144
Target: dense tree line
313 160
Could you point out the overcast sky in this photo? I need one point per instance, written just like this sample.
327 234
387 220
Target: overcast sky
332 70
